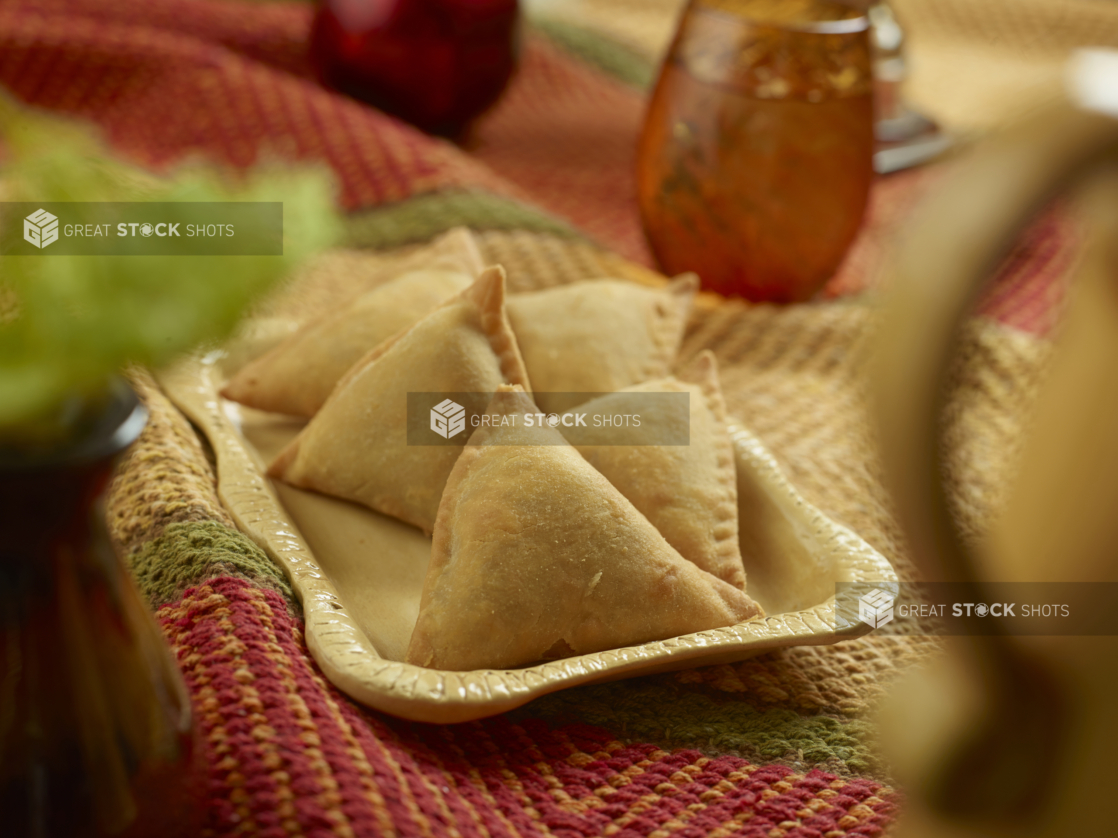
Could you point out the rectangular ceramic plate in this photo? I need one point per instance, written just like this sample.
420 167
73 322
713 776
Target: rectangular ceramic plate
359 574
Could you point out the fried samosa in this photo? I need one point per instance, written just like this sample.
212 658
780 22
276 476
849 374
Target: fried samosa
688 492
357 448
536 555
598 336
297 376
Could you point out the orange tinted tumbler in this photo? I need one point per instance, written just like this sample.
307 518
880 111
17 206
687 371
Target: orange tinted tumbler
756 158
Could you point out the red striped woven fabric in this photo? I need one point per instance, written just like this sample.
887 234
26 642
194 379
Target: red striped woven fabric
289 755
169 79
232 81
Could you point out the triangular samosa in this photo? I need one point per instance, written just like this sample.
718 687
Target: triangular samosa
689 492
598 336
357 448
298 375
536 555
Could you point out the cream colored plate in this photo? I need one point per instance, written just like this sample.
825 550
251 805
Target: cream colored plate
359 574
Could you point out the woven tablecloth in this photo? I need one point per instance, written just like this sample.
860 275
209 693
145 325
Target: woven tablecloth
780 744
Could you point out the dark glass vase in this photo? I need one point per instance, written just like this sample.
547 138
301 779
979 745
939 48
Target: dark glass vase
96 733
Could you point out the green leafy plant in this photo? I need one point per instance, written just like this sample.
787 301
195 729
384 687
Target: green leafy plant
68 324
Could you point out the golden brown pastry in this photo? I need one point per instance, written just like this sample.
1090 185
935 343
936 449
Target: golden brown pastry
298 375
356 447
598 336
536 555
689 492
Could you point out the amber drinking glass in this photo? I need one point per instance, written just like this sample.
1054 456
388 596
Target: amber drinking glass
755 161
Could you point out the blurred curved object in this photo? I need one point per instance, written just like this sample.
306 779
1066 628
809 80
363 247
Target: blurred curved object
1011 733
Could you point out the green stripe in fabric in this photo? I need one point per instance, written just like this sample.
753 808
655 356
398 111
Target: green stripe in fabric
421 218
609 56
191 552
646 711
